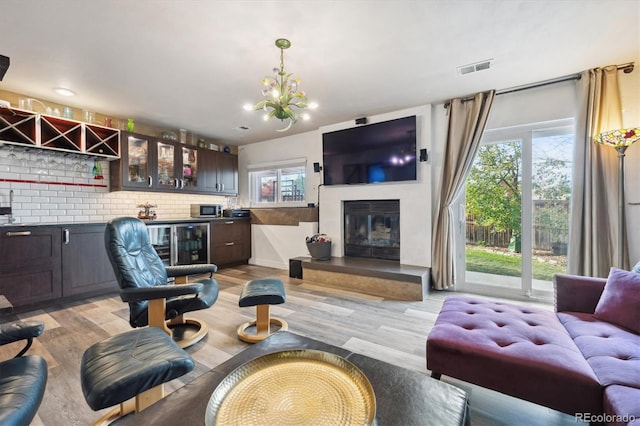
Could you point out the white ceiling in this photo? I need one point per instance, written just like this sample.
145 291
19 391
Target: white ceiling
194 63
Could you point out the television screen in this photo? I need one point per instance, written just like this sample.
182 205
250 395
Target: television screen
375 153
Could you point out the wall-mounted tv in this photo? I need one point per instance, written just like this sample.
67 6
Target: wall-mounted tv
374 153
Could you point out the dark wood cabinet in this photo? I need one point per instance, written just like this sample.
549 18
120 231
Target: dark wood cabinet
43 265
219 172
137 161
152 164
230 241
85 265
30 264
227 173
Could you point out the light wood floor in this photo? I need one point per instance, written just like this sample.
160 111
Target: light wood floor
393 331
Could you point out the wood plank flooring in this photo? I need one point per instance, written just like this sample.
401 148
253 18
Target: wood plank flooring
389 330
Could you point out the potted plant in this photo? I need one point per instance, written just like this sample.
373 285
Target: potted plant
319 246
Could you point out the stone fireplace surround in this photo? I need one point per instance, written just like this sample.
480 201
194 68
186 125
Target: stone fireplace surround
407 279
415 216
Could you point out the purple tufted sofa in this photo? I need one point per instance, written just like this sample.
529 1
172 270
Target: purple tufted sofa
568 360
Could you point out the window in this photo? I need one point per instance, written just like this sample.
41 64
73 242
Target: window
511 229
278 183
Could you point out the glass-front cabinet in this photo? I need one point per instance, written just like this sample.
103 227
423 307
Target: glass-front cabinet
137 162
166 160
150 164
189 168
153 164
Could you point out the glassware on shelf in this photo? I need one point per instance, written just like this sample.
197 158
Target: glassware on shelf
25 103
79 167
52 162
12 157
88 116
41 164
97 170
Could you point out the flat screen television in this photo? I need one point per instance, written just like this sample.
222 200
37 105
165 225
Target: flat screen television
374 153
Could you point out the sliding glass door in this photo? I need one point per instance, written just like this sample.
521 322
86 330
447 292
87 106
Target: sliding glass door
512 231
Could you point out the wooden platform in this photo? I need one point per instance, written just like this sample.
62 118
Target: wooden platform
378 277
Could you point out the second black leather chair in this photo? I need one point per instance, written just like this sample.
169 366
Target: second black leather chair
23 378
143 281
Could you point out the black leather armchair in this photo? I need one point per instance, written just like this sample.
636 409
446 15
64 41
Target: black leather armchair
143 281
23 378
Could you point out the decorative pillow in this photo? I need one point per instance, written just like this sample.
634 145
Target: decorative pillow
636 268
620 301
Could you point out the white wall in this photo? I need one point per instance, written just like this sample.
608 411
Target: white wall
415 197
274 245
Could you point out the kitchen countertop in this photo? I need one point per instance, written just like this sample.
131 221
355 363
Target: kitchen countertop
104 222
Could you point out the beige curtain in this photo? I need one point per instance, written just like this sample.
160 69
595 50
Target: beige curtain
467 119
594 198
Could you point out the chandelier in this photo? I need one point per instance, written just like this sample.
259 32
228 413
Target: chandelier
282 99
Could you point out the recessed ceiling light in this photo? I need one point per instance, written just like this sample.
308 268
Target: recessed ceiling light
247 107
64 92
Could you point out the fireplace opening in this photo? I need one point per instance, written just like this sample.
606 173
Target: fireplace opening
372 229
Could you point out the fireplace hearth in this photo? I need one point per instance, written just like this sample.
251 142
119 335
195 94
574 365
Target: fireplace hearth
372 229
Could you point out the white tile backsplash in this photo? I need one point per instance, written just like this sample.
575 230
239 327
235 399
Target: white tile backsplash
41 202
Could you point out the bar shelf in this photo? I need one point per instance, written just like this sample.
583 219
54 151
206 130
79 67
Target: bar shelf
60 134
18 126
102 140
31 129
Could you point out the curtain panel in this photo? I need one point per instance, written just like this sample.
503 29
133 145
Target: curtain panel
467 120
593 225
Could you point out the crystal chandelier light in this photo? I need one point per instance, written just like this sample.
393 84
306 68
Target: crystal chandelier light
282 99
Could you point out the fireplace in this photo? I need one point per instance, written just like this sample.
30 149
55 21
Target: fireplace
372 229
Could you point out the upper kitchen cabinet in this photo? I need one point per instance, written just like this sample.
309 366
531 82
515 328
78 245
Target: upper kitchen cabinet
150 164
219 172
134 170
190 168
154 165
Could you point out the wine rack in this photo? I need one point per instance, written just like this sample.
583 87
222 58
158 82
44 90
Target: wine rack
39 130
60 133
18 126
102 140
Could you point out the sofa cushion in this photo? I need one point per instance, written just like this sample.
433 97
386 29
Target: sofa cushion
518 350
612 352
621 405
636 268
620 300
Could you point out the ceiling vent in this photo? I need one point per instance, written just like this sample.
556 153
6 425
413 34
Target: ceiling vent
478 66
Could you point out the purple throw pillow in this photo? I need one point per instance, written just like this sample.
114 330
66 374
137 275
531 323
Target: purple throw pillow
620 301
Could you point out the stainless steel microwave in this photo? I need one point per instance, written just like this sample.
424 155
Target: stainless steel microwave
206 210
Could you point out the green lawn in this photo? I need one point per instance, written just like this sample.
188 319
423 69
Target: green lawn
479 260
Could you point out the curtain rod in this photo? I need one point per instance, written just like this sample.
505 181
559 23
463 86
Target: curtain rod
626 68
